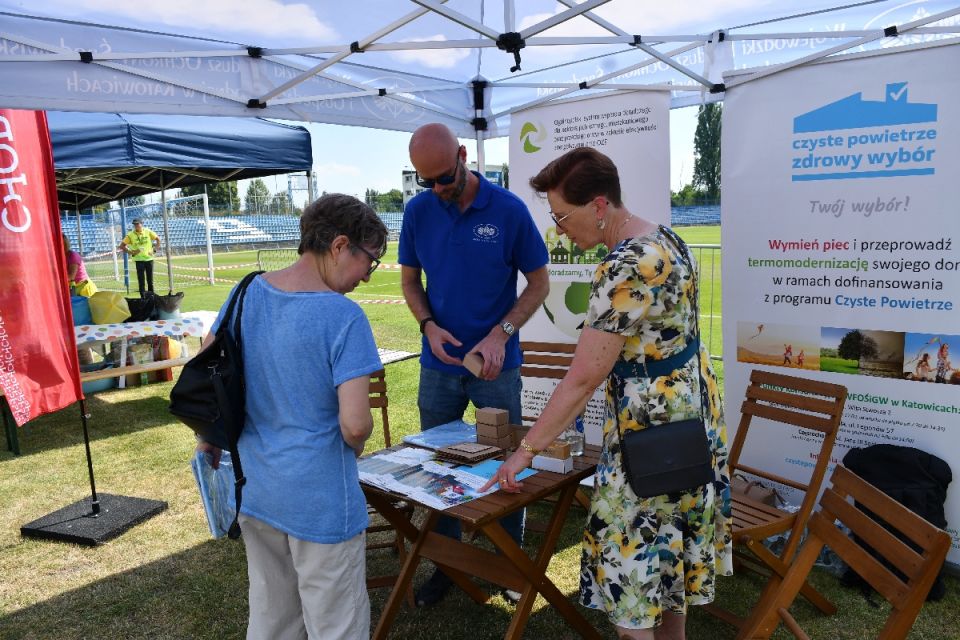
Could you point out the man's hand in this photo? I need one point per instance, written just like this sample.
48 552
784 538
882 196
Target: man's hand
437 336
492 349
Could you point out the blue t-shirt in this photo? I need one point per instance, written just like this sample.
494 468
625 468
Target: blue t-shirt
471 260
297 349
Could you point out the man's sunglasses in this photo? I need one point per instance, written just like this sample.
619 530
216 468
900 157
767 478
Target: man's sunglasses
374 260
428 183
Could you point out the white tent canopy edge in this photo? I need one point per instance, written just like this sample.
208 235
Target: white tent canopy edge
67 65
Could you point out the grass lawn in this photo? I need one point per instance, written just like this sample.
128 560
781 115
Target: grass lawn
167 579
839 365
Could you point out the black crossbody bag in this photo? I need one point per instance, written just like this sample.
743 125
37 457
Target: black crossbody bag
674 457
209 396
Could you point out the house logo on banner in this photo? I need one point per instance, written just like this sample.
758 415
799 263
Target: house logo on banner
885 138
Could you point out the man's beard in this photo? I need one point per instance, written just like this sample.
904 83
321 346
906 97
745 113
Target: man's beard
454 195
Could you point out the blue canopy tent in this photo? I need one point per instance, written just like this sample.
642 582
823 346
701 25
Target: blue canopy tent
101 157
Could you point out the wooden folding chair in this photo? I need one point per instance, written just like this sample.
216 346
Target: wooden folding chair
379 400
803 405
905 589
549 360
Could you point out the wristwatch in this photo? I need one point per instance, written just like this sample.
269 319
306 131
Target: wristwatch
508 328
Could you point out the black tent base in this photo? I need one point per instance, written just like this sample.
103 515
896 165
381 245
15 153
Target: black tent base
74 523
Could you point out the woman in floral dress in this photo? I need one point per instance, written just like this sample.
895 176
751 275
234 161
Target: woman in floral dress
644 559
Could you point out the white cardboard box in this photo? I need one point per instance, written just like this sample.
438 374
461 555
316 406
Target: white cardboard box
557 465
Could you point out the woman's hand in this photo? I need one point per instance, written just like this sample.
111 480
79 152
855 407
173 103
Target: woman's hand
206 447
506 475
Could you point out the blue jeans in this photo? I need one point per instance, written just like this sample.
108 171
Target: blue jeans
443 397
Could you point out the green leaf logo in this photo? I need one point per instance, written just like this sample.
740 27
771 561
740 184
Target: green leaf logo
527 132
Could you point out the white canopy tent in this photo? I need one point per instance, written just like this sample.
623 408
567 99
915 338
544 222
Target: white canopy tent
388 76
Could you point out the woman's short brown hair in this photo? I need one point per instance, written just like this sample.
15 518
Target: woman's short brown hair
336 214
580 175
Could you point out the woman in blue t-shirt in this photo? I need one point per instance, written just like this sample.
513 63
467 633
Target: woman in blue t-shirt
308 354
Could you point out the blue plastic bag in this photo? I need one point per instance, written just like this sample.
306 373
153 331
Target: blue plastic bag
216 490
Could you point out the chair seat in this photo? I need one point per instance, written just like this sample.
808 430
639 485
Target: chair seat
758 520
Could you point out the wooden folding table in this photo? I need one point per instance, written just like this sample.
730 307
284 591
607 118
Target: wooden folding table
511 568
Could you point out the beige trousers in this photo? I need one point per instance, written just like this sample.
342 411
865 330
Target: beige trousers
302 589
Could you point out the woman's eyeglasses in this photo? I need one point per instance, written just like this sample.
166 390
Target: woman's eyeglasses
374 260
559 221
450 178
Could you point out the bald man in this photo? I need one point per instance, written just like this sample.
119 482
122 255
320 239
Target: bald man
471 238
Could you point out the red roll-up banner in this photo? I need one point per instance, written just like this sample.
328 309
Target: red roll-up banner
39 372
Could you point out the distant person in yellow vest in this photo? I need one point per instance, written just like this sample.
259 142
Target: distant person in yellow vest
141 244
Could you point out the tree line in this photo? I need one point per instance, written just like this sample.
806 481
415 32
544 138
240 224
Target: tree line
705 186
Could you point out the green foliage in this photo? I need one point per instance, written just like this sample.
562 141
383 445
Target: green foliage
506 175
383 202
687 196
221 196
257 198
280 203
855 345
706 150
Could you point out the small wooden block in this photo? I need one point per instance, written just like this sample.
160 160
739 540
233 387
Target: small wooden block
474 363
489 415
506 442
494 431
518 432
557 449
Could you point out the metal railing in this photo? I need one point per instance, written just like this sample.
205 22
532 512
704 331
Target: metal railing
708 278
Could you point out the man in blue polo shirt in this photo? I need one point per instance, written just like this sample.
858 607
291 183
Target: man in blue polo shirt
471 238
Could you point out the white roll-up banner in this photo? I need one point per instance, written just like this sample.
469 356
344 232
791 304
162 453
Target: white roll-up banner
633 130
841 250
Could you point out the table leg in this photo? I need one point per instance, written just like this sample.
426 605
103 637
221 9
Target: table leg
405 578
122 382
535 571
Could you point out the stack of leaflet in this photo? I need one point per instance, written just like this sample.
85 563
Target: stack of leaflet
443 435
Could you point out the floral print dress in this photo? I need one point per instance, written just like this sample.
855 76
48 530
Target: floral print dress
642 556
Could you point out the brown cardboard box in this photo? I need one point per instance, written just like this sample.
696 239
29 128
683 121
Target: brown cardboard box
492 416
557 449
518 433
504 443
473 363
493 431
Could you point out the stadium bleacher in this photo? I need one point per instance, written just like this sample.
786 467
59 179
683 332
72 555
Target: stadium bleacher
189 233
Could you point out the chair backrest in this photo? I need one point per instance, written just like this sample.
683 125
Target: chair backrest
545 360
916 566
378 400
802 404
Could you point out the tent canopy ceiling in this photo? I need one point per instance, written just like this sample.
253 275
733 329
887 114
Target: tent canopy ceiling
101 157
395 65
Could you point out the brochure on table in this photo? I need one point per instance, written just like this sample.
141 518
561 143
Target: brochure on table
413 472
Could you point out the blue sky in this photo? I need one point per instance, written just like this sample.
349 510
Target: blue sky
350 159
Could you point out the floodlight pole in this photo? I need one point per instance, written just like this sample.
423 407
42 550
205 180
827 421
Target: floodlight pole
166 233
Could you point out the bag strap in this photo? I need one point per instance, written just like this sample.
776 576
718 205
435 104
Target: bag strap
681 247
233 435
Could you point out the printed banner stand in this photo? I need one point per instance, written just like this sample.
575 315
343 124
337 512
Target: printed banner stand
39 371
841 249
632 128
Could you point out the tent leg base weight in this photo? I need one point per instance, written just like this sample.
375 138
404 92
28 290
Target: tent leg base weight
76 522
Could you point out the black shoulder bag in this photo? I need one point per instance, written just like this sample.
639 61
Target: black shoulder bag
209 395
675 457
